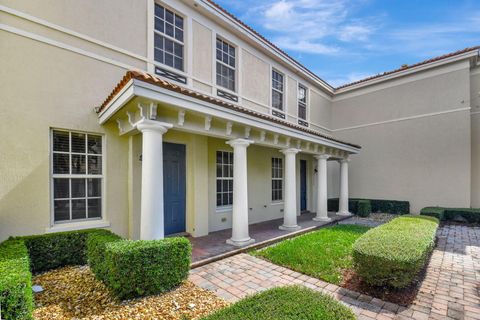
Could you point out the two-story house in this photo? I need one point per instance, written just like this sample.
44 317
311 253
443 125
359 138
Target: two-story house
161 117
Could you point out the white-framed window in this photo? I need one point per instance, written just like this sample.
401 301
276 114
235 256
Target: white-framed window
277 90
169 38
225 64
277 179
77 175
302 102
224 178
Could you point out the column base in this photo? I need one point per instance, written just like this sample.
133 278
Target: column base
344 213
322 219
241 243
289 228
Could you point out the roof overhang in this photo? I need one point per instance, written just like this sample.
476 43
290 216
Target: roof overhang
141 92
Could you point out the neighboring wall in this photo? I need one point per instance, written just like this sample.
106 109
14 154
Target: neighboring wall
475 122
415 138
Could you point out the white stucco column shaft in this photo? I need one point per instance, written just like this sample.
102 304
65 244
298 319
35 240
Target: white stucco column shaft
322 207
240 236
290 202
343 201
151 214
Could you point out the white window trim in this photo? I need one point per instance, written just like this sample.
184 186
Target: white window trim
237 91
79 224
281 179
186 31
307 102
283 111
227 207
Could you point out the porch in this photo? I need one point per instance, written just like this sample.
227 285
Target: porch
231 166
211 247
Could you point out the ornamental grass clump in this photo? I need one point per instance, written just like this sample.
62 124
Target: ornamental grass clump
394 253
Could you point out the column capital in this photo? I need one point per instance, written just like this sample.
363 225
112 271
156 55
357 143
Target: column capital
147 125
290 151
344 160
322 156
239 142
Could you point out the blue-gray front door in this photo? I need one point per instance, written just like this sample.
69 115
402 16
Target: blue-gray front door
174 187
303 185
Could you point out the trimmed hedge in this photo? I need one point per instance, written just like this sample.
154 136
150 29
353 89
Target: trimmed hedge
130 268
54 250
285 303
140 268
16 298
364 208
95 247
394 253
456 214
378 205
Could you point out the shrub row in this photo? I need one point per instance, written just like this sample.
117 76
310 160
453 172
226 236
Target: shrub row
453 214
140 268
394 253
377 205
16 298
364 208
129 268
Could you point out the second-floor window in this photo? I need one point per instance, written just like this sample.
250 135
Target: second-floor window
277 90
168 40
225 65
302 102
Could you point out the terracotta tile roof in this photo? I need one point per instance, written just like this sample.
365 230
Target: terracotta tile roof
386 73
216 5
152 79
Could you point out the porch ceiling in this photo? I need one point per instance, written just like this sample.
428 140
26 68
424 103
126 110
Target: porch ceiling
141 95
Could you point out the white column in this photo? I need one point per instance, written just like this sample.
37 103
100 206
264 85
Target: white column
290 202
151 215
322 207
240 236
343 201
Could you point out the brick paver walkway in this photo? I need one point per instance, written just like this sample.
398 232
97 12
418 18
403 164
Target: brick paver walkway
449 291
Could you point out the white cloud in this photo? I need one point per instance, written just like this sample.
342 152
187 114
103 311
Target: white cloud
308 26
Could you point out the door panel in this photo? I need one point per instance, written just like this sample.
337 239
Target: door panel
174 187
303 185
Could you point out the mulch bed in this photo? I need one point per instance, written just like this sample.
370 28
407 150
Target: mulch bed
74 293
403 297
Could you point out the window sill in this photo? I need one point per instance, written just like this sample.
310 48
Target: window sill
223 209
78 226
277 203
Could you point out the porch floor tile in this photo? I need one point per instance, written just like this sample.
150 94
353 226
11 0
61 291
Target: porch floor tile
215 244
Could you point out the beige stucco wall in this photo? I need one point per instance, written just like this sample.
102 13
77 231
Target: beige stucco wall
202 63
425 160
45 88
255 78
475 123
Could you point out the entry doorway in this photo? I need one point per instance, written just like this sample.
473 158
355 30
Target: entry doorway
303 185
174 190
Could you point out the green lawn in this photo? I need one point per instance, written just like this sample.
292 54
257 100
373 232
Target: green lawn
322 254
293 302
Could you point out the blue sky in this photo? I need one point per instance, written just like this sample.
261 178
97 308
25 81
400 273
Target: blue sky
343 41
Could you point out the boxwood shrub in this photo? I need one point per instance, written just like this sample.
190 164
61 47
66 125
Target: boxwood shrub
95 247
456 214
16 298
129 268
364 208
285 303
378 205
436 212
394 253
54 250
139 268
